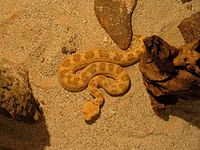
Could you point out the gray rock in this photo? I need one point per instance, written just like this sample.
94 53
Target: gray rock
115 17
16 97
190 27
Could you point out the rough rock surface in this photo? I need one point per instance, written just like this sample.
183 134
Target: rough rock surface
16 98
190 27
170 72
115 17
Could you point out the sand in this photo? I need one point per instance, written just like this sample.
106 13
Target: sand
33 33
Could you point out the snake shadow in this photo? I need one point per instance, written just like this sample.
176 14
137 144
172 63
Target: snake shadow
16 135
186 108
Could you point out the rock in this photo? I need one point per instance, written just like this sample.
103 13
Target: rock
115 17
105 39
153 64
16 97
190 27
170 72
184 1
67 51
190 7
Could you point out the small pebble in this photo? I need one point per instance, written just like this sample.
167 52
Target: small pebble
67 51
42 59
110 113
105 39
185 1
189 7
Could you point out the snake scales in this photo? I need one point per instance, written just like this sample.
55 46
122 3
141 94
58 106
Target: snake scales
99 68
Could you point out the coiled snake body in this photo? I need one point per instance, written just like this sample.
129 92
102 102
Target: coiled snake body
98 68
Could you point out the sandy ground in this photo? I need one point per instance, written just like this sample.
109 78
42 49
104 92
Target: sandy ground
33 33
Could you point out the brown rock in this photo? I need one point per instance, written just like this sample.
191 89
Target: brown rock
190 27
170 72
16 97
115 17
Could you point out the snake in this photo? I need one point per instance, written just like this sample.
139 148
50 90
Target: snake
99 68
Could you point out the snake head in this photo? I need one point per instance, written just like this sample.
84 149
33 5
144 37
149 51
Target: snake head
90 111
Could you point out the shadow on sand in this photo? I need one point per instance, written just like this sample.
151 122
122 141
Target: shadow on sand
187 109
15 135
